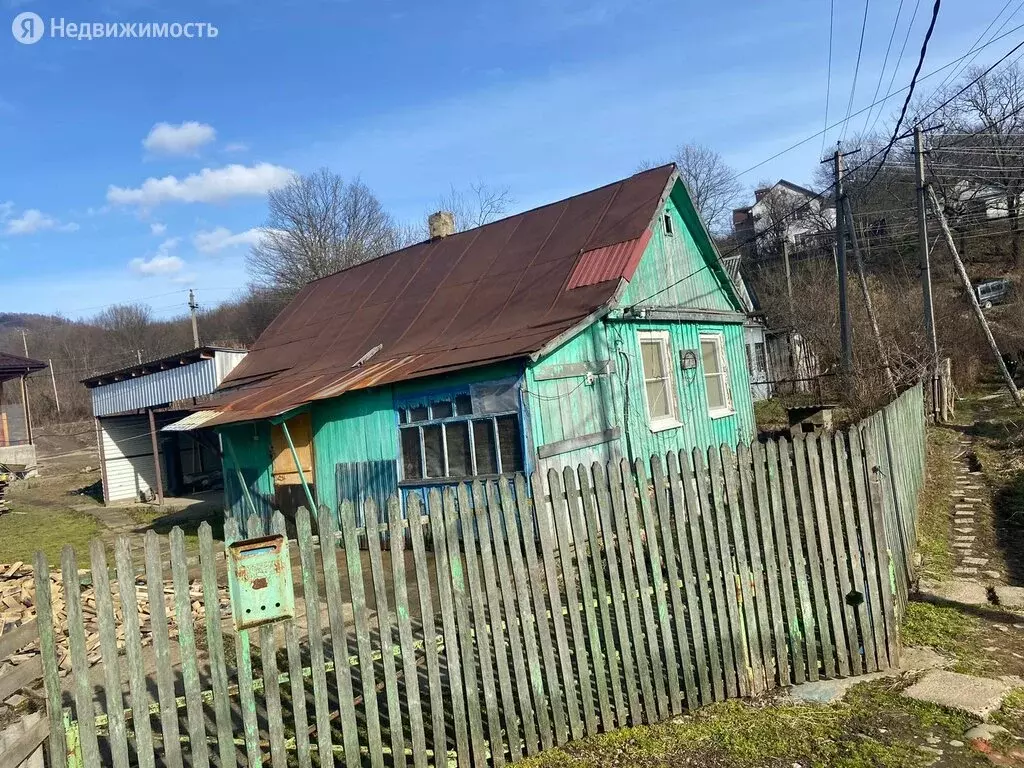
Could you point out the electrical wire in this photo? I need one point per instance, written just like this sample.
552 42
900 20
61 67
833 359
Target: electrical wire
828 77
952 74
885 63
899 61
910 91
885 98
856 70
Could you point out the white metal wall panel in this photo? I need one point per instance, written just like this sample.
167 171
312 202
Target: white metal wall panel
127 457
159 388
226 362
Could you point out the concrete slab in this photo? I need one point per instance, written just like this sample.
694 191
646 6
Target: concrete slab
978 696
963 592
965 571
915 659
827 691
1010 597
976 560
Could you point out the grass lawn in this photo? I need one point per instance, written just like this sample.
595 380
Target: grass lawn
872 727
935 531
42 518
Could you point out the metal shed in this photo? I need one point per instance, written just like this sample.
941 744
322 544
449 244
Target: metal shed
131 405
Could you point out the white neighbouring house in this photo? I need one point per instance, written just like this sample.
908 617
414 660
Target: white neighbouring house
784 212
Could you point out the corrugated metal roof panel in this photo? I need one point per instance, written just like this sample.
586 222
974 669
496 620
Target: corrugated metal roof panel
609 263
493 293
196 420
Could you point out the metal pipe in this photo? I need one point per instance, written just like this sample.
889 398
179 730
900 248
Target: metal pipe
298 466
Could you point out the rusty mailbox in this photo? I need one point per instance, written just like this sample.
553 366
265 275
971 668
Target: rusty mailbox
260 580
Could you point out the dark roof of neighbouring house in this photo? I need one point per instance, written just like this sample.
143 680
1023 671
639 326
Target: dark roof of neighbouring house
152 366
13 366
497 292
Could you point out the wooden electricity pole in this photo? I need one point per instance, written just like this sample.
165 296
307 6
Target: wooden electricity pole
962 273
926 269
859 265
846 347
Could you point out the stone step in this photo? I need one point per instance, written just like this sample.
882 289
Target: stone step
977 696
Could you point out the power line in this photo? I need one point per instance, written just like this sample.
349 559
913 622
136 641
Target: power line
856 69
899 61
885 63
910 91
828 77
885 98
956 71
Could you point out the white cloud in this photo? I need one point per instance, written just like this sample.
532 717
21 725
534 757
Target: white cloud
31 221
157 228
210 185
236 146
221 238
183 139
158 265
163 263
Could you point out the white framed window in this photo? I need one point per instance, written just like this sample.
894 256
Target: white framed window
659 380
669 229
716 374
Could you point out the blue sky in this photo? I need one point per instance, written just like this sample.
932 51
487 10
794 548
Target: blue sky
133 169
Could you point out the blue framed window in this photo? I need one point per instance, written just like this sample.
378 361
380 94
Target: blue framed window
474 433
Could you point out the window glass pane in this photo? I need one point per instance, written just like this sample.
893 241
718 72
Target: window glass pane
441 409
762 358
483 440
411 467
657 399
652 359
750 361
433 450
457 434
418 413
495 397
463 405
716 391
508 442
709 355
403 416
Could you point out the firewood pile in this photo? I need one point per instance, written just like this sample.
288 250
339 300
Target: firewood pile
17 607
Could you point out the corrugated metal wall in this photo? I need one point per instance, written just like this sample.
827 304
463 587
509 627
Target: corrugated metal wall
128 457
154 389
162 387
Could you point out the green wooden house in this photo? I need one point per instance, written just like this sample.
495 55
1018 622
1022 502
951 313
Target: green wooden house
597 327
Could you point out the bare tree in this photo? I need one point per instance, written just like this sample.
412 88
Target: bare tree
711 181
128 326
478 204
977 163
319 224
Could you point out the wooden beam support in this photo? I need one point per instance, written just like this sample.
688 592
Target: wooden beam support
156 458
575 443
683 314
571 370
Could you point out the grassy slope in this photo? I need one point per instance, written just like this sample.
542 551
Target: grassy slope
42 518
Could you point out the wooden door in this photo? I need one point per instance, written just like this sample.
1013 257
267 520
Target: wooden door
288 491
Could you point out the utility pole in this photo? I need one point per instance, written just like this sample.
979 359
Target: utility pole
859 266
789 276
962 273
138 353
844 309
926 269
53 380
195 324
24 341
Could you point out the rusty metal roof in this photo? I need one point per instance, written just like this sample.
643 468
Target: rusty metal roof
497 292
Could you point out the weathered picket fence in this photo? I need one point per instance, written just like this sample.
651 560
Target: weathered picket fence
500 619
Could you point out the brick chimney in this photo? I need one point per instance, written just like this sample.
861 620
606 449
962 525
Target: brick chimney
441 224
